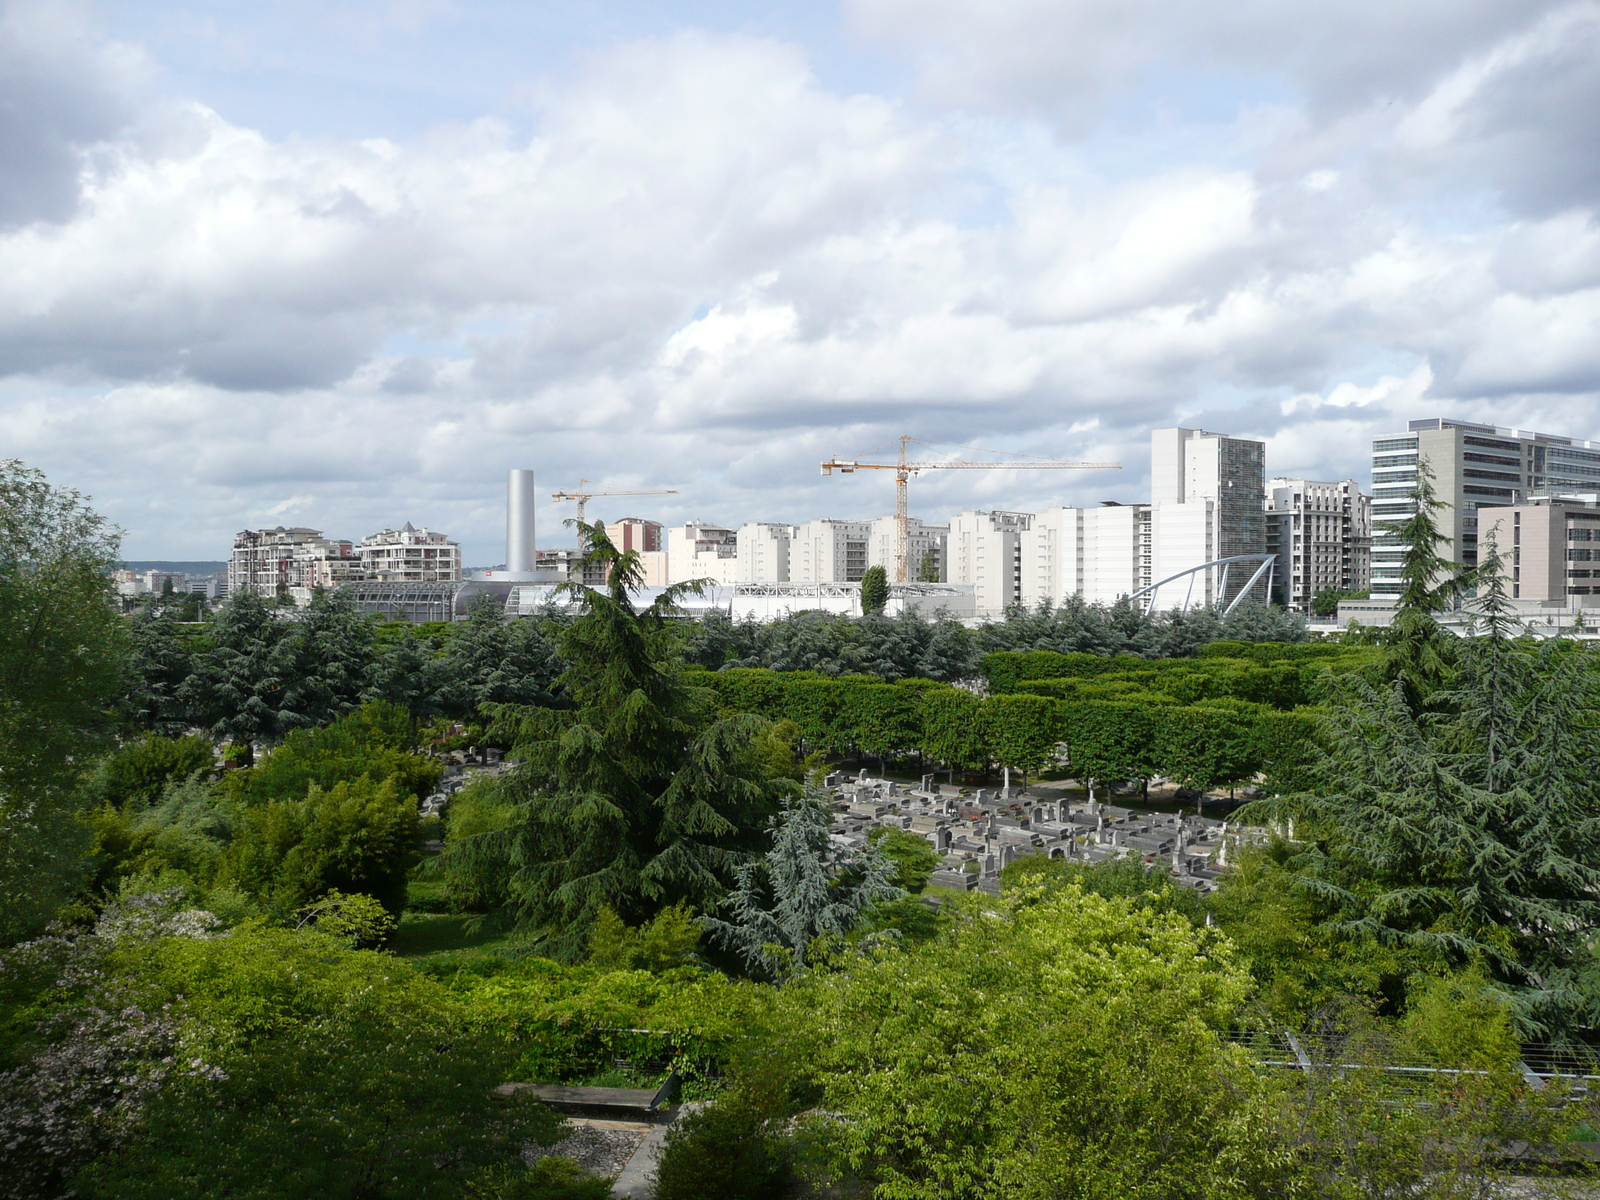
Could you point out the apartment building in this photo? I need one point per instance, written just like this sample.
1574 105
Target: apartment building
765 550
410 555
635 533
1322 535
299 559
830 551
1475 467
701 550
1097 554
985 551
923 542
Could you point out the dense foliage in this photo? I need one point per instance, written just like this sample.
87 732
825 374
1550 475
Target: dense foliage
222 819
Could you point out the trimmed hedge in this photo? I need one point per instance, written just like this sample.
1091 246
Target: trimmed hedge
1111 729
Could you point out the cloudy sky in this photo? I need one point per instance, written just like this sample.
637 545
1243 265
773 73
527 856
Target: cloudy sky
342 264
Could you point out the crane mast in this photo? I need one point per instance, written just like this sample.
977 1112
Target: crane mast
903 470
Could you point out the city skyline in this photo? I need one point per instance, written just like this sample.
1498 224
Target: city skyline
345 266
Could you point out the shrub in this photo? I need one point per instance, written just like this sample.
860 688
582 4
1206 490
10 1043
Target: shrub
726 1151
356 837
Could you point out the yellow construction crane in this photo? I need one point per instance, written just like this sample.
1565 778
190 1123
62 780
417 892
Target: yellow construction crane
904 469
582 495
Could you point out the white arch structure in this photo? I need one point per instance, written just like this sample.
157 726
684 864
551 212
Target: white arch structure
1266 568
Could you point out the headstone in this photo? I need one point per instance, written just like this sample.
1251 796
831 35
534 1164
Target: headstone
862 778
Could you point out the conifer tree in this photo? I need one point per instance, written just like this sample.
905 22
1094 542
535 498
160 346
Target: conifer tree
635 798
800 891
1420 653
236 690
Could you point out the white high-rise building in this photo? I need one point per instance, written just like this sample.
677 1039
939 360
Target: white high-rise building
826 550
1100 554
985 550
1322 535
1207 495
765 550
922 541
701 550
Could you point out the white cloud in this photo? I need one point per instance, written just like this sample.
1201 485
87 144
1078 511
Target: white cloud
705 269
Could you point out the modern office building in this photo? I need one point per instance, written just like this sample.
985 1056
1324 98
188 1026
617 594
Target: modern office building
830 551
985 552
1322 535
1474 467
1206 500
410 555
1549 546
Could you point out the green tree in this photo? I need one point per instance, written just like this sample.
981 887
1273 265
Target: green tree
373 742
492 661
161 657
267 1064
635 798
324 662
236 690
138 771
874 590
801 891
1419 651
358 836
63 662
928 569
917 1074
913 857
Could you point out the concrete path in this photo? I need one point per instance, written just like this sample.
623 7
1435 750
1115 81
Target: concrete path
638 1178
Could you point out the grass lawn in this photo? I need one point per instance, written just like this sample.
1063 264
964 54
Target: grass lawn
445 936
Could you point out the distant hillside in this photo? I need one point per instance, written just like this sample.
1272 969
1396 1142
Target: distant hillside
186 568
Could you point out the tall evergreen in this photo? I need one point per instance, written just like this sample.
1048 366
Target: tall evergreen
324 663
635 798
236 690
1420 653
874 591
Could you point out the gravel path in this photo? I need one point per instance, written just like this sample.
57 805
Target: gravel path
600 1147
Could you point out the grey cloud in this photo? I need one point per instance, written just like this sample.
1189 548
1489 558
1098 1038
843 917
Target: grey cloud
61 93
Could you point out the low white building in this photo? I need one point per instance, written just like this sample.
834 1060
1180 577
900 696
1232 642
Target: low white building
410 555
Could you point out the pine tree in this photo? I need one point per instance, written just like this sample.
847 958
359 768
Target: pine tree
635 798
1419 652
800 891
324 663
236 692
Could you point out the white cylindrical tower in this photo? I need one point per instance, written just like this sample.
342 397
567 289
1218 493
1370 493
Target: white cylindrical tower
520 553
